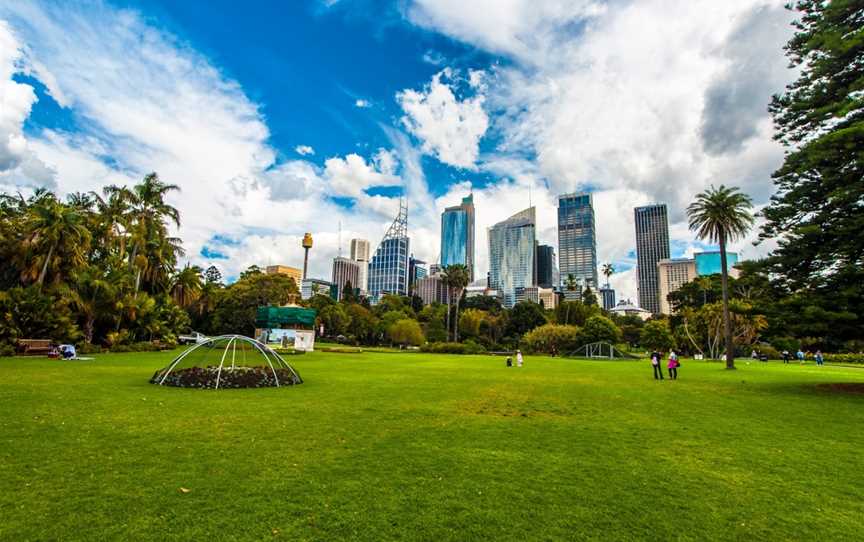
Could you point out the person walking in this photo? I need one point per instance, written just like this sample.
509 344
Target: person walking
785 357
673 365
655 363
820 361
519 358
800 356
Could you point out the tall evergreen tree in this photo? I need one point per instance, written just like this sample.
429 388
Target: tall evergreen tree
817 214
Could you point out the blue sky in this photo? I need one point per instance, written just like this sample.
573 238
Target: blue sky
277 118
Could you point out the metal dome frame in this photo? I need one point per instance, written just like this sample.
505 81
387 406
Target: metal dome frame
269 354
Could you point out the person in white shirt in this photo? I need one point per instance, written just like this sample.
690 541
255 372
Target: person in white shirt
519 358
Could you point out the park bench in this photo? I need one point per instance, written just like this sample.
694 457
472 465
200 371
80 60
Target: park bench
34 347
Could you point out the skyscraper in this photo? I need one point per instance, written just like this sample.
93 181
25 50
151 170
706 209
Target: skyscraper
545 266
457 235
415 271
652 245
607 296
388 269
672 274
345 271
360 254
512 255
709 263
577 240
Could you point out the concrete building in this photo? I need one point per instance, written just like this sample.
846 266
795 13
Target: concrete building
345 271
293 272
627 308
577 241
457 235
431 289
672 274
360 254
312 286
512 255
548 298
652 245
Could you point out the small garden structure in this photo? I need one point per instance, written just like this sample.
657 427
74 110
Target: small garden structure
228 361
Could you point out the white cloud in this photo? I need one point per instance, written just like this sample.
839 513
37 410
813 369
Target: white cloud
448 128
361 103
626 101
304 150
18 164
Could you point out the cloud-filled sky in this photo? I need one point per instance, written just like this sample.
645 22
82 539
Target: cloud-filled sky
316 116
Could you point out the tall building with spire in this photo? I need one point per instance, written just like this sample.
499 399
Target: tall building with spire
652 245
512 255
577 241
388 269
457 235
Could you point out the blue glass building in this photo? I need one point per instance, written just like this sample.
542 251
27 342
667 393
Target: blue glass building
512 255
457 235
577 239
388 269
708 263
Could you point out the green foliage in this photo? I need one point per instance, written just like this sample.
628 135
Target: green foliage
575 313
405 332
656 335
552 339
845 358
525 316
238 303
362 323
600 328
467 348
588 297
29 313
335 320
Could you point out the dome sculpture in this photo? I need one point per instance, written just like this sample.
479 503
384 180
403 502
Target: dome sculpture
227 361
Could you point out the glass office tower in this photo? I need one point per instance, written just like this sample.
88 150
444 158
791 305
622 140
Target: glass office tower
577 240
512 255
652 245
388 269
709 263
546 266
457 235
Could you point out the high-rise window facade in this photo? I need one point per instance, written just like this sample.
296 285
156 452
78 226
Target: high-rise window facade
388 270
577 239
457 235
652 245
512 255
360 254
545 266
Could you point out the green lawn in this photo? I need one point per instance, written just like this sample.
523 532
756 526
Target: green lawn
410 446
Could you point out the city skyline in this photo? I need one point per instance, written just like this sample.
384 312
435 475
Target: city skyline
262 158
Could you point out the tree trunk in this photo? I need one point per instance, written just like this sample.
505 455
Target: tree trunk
456 322
727 326
88 329
448 315
44 271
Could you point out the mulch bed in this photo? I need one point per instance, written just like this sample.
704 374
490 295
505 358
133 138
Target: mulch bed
238 377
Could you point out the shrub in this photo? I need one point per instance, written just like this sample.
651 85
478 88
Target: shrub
468 347
551 339
657 336
844 358
600 328
6 350
406 331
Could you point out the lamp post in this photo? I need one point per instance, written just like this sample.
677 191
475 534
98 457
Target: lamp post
307 244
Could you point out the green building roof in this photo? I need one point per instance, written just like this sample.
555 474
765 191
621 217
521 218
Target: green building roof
277 317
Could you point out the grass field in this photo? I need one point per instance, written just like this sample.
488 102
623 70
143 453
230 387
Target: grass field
378 446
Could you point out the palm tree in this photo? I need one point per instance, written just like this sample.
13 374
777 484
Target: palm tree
720 215
93 295
57 239
608 270
186 286
456 278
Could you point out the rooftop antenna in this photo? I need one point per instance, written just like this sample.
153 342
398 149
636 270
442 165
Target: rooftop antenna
529 196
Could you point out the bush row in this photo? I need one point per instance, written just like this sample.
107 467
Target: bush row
468 347
239 377
844 358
